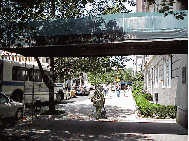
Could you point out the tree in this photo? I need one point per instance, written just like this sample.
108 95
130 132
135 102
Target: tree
167 8
17 15
96 66
117 70
126 75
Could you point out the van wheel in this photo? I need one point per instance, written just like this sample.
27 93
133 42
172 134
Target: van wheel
37 105
17 95
19 114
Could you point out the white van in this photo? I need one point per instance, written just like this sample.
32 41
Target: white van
57 87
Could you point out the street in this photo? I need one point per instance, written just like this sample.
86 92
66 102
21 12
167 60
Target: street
80 123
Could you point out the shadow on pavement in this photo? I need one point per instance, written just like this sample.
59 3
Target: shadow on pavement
43 129
59 129
66 101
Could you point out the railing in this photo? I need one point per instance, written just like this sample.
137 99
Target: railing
148 21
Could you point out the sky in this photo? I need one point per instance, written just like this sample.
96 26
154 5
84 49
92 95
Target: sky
129 64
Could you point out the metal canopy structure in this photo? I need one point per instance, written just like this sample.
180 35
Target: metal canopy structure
134 47
108 35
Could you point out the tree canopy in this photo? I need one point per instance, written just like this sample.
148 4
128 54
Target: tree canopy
96 66
17 14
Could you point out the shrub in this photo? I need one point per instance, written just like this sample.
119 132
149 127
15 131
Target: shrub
147 109
148 97
138 85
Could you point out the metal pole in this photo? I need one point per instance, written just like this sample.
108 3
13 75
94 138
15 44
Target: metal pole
24 90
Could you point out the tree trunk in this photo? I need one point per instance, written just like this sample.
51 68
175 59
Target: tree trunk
51 90
48 83
45 77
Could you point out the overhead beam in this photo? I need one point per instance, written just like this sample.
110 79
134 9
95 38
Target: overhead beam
130 47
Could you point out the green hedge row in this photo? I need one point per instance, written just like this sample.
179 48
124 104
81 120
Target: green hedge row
148 97
154 110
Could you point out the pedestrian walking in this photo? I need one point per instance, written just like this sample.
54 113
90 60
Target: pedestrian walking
106 90
125 89
128 89
98 100
118 88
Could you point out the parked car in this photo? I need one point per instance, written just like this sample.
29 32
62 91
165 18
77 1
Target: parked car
10 108
78 90
58 87
86 91
81 91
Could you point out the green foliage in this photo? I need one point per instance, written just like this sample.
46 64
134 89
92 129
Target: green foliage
167 8
138 85
107 74
16 14
154 110
99 69
148 97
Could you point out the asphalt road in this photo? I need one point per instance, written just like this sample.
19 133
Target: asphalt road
78 98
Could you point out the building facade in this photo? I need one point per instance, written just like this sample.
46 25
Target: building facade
145 6
166 78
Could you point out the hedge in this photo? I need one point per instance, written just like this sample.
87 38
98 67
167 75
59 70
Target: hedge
154 110
148 97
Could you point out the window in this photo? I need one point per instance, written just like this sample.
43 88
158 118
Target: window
164 71
18 73
14 74
25 74
149 77
152 76
156 73
30 74
169 70
146 79
38 76
3 99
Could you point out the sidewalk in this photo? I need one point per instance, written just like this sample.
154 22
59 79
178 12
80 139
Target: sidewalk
122 109
60 130
80 124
